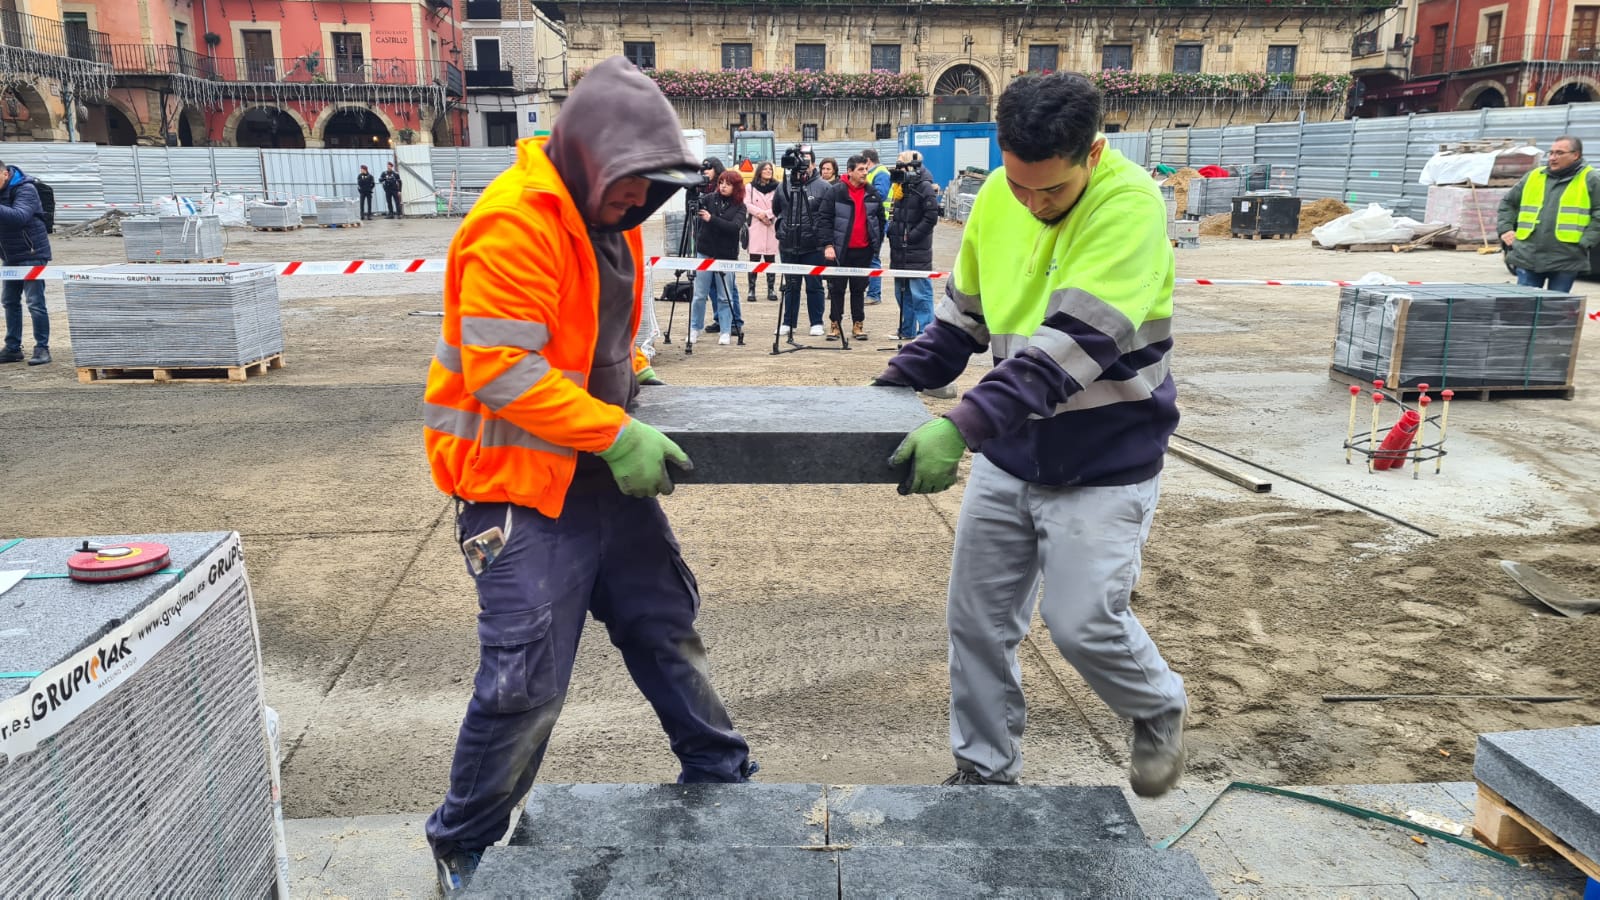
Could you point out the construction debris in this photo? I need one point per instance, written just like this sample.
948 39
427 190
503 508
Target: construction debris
108 225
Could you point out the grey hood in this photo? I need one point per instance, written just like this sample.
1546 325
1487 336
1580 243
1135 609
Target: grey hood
616 123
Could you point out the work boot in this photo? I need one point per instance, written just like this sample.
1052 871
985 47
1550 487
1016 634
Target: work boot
713 328
41 356
948 392
858 330
833 331
966 777
456 871
1158 753
8 356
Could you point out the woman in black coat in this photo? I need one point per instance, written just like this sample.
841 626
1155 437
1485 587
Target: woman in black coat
721 217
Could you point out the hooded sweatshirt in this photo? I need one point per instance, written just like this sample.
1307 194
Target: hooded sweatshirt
616 123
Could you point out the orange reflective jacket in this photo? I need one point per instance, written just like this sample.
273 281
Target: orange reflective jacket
507 407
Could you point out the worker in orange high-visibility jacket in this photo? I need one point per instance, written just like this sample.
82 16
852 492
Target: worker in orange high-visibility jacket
527 424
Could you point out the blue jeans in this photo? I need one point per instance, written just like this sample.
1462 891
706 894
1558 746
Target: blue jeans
722 289
1555 281
875 285
915 296
610 556
791 289
11 296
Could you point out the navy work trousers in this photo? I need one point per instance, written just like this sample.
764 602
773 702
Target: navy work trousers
609 555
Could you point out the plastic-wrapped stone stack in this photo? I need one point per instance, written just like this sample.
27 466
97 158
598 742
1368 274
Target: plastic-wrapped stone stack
273 215
1209 196
335 211
1475 211
171 316
172 238
143 770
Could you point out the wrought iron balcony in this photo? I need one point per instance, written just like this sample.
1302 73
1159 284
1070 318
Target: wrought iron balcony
490 78
142 59
52 37
1510 50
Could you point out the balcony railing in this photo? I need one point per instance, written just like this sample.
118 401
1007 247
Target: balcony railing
489 78
1517 48
141 59
53 38
483 9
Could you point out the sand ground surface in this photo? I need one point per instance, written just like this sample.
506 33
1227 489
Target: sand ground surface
823 607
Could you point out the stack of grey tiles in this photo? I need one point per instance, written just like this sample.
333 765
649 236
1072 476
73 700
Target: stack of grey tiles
1209 196
162 786
156 316
272 215
172 238
674 232
335 211
1458 335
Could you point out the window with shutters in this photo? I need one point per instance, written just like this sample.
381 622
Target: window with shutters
1187 57
1488 52
886 58
736 56
810 57
1441 40
1584 22
1117 56
1043 57
640 53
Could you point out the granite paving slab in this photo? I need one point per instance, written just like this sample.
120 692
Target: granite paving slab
672 815
1553 775
973 816
950 872
657 872
784 435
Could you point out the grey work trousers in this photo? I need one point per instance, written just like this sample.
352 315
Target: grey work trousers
1085 543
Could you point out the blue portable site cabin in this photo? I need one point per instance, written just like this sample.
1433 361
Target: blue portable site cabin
947 149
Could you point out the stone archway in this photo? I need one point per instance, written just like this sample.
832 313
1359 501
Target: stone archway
963 93
267 127
1483 95
190 127
24 114
1573 90
350 122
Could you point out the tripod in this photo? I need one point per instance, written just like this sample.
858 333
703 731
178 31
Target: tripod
680 291
796 203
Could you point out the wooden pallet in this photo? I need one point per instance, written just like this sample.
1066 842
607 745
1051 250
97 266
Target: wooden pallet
168 374
1471 392
1453 242
277 227
176 262
343 225
1249 236
1499 824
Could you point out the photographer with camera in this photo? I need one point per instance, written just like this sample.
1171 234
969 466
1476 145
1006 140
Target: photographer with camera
720 219
914 215
802 233
708 285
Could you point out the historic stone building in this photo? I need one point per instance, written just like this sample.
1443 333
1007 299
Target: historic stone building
515 61
801 70
53 65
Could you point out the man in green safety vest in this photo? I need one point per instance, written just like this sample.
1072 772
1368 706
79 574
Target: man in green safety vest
1551 219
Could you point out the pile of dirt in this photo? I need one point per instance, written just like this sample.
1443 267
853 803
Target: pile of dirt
1320 212
1219 225
1179 181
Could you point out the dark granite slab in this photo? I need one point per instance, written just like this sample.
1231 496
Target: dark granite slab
657 872
1553 775
672 815
44 621
784 435
1100 873
988 817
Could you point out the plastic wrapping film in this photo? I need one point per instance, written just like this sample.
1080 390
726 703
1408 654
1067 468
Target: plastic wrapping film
171 238
1457 335
273 215
193 315
1475 211
337 212
1210 196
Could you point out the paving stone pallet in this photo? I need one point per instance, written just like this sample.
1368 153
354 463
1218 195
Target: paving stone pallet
783 435
1541 789
195 374
332 212
169 317
142 767
172 238
831 841
1461 336
280 216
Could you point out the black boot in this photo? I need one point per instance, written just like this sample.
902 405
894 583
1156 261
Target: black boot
10 356
41 356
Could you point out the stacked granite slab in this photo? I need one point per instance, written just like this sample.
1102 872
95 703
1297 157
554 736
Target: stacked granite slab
160 786
172 238
811 840
170 316
336 211
784 435
1210 196
1552 775
270 214
1458 335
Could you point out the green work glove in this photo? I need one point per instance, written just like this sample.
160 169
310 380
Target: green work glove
638 460
647 375
934 451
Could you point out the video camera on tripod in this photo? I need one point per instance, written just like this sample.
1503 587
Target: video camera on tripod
897 175
796 162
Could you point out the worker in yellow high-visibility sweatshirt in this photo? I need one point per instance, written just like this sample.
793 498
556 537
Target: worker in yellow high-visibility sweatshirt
1551 219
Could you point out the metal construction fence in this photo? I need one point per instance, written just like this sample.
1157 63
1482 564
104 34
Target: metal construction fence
1359 160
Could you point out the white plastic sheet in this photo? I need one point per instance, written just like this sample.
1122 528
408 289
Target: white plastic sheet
228 208
1373 225
1457 168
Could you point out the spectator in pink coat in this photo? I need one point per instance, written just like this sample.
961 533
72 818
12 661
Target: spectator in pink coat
763 236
